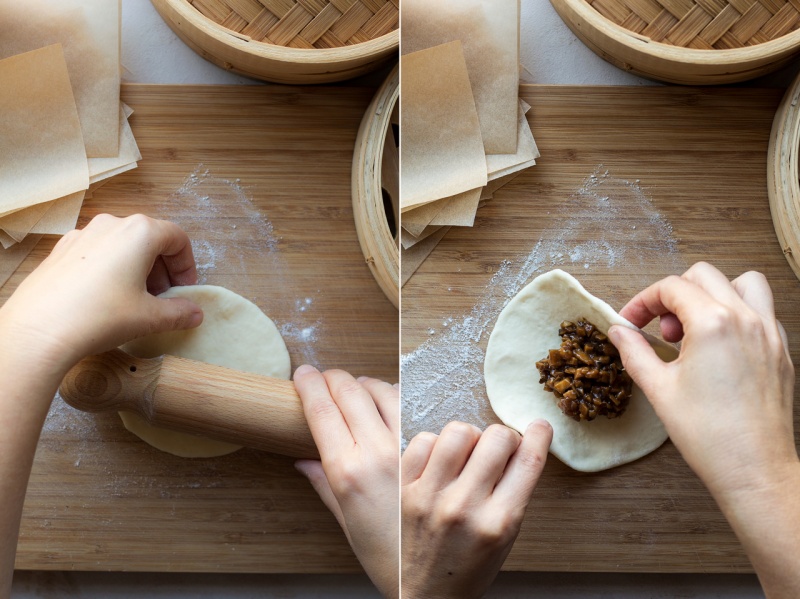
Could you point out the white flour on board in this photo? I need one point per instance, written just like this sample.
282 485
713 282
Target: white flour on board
442 380
63 418
197 207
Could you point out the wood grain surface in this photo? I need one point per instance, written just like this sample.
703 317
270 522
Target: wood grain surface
260 179
633 184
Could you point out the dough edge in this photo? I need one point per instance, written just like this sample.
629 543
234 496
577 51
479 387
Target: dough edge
525 330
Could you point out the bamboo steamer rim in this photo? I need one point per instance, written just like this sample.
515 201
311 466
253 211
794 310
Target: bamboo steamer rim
783 186
378 46
649 58
380 249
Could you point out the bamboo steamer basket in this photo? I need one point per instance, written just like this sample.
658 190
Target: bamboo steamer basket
375 188
692 42
783 186
288 41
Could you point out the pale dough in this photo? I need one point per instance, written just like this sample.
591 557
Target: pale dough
235 333
526 329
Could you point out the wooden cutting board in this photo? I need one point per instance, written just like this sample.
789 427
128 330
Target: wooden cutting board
633 184
260 178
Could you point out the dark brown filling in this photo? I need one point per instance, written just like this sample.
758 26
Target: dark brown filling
585 373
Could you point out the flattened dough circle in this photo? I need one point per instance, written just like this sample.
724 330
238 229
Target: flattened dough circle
526 329
235 334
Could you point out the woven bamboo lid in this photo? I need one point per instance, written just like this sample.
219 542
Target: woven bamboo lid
688 41
304 23
704 24
288 41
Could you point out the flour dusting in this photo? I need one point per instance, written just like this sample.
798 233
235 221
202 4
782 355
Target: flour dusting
63 418
613 226
198 207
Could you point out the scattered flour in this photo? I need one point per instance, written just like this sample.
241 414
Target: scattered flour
199 206
63 418
442 379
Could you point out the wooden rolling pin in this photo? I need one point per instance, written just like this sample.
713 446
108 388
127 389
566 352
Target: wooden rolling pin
196 398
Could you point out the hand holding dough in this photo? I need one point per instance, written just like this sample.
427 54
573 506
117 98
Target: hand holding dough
728 405
88 295
464 495
526 329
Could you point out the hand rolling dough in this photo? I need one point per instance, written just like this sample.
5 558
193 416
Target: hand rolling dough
235 333
526 329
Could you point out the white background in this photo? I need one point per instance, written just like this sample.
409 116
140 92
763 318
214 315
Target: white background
551 54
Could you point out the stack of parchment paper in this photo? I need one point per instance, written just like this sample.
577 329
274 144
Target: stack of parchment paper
63 129
464 129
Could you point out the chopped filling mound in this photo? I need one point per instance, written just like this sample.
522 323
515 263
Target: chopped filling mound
586 374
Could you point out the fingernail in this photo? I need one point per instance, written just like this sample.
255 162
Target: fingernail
196 319
305 369
613 333
298 465
361 379
540 422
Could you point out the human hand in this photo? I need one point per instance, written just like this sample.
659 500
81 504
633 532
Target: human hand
464 495
93 292
727 400
355 424
89 295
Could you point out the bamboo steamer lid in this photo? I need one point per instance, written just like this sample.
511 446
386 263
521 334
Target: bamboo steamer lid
288 41
692 42
376 203
783 186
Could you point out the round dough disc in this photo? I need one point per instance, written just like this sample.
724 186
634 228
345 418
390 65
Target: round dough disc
235 334
526 330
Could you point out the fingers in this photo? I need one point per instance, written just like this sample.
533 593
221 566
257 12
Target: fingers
784 338
158 279
387 399
671 328
638 358
673 295
162 246
713 282
416 457
488 460
525 466
754 289
175 249
683 300
313 471
340 411
356 404
172 314
680 298
450 454
324 418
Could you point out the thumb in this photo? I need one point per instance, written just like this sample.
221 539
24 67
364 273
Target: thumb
638 358
173 314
